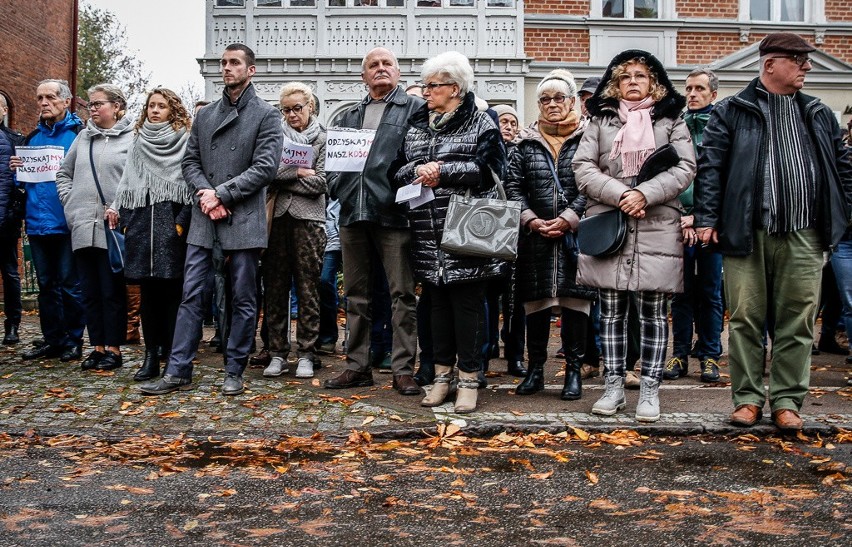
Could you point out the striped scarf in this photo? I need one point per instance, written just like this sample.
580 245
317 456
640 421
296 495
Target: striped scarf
791 184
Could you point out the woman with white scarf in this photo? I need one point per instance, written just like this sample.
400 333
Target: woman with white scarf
634 113
152 205
295 211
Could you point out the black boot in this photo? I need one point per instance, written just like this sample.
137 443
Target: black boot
515 367
573 388
425 374
150 366
534 382
480 377
11 336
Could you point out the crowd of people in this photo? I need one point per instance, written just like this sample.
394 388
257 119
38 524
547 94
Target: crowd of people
758 186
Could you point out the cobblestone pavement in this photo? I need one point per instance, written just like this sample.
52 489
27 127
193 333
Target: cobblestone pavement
50 397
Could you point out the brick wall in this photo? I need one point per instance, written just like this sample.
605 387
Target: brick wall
838 10
562 7
701 48
721 9
28 29
566 45
839 46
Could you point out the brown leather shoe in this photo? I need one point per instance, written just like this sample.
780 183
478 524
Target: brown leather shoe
787 419
746 415
349 379
405 385
261 359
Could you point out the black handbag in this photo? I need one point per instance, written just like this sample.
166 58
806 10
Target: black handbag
114 238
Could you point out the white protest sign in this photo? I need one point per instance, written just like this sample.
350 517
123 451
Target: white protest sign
41 163
297 155
347 149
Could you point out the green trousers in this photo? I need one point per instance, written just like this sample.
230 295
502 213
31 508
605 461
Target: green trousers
776 287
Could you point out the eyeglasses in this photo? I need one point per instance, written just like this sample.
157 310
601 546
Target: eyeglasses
800 60
640 77
558 99
431 87
296 108
96 105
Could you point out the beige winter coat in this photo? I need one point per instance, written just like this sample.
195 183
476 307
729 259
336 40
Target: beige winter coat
652 257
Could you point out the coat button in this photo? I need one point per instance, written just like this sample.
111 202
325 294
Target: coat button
211 175
632 230
629 261
213 147
233 148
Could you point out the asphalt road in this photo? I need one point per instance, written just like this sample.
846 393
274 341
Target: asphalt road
540 489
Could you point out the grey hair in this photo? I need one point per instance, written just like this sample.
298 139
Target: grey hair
297 87
454 66
714 80
3 102
558 80
113 93
64 88
364 60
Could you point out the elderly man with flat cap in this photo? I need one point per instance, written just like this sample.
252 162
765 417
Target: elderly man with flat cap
773 193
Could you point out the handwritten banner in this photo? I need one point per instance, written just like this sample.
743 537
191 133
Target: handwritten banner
40 163
347 149
297 155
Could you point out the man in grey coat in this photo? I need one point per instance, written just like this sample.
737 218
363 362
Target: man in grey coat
232 155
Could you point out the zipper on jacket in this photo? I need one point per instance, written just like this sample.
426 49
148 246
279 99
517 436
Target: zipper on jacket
151 254
554 279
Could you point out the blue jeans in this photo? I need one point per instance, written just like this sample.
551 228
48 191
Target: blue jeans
60 298
700 303
841 261
331 264
11 280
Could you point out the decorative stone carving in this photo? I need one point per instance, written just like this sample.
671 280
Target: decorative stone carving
346 87
744 32
819 36
500 35
436 34
345 36
228 30
281 36
500 87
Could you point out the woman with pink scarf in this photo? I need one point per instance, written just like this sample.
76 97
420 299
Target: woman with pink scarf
623 162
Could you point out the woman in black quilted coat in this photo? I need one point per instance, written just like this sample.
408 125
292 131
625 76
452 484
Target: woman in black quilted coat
450 148
541 178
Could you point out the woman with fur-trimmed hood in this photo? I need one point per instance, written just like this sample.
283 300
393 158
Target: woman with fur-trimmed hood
635 112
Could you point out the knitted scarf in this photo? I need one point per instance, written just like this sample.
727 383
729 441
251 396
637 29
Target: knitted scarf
635 140
438 120
791 184
696 121
556 133
153 171
307 136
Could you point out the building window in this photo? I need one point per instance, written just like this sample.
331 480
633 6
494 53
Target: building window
630 9
269 3
366 3
446 3
230 3
501 3
777 10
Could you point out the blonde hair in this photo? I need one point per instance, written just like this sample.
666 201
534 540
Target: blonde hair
292 88
611 90
113 93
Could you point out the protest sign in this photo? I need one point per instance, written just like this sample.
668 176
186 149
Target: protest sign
347 149
297 155
41 163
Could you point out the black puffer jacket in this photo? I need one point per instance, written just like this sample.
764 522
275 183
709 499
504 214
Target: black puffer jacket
470 148
546 267
10 217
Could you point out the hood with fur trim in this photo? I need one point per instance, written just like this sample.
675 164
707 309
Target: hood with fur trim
669 106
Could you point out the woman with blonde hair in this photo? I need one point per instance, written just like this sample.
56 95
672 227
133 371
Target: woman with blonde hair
153 207
86 184
295 208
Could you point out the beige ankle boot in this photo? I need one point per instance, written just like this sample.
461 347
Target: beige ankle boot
466 396
440 387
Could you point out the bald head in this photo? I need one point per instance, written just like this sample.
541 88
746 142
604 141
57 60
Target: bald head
380 71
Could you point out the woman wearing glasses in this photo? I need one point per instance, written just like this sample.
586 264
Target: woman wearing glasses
295 209
86 183
450 148
635 112
541 178
154 205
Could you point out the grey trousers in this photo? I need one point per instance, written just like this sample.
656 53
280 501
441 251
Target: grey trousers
394 249
242 266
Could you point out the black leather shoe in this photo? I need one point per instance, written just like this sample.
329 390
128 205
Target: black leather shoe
573 388
110 361
166 384
405 385
349 379
827 344
150 366
233 385
43 352
74 353
91 362
11 338
516 368
534 382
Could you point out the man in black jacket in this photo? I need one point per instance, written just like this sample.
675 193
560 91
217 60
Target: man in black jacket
773 192
370 218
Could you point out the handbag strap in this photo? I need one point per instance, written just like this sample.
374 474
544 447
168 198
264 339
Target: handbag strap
501 192
95 171
555 176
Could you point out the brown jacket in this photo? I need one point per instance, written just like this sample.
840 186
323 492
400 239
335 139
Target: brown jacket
652 257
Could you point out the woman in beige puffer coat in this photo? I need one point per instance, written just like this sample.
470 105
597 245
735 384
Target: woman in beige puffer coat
636 111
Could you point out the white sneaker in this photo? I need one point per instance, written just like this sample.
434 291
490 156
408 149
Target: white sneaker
277 366
305 368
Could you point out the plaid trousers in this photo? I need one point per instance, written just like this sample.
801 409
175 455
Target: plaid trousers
654 331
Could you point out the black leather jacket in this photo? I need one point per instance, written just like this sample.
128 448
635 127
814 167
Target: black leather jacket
470 147
545 267
369 195
729 184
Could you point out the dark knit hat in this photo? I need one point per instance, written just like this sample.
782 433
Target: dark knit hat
784 42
